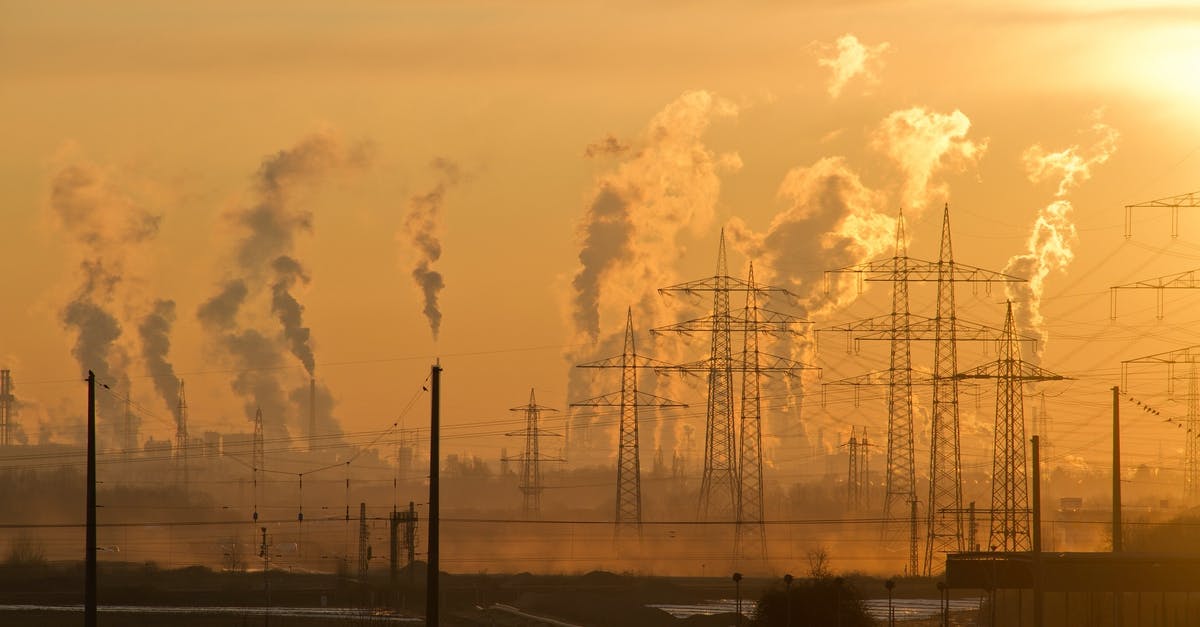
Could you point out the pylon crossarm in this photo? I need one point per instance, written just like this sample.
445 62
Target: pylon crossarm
1187 280
1021 371
724 283
881 377
774 363
923 329
618 361
919 270
1191 199
613 399
532 407
1189 355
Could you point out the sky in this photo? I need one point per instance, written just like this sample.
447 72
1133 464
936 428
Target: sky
495 185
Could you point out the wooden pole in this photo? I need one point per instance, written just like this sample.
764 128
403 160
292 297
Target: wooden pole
431 580
89 590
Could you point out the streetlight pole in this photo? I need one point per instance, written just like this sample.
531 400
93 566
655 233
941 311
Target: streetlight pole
737 583
891 610
787 584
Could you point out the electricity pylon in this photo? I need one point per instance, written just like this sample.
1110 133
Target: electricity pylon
740 473
181 436
1190 424
258 459
1010 485
7 409
944 523
720 483
628 519
1174 203
531 469
858 486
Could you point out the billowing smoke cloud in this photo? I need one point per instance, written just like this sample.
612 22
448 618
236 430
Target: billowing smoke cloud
105 227
421 228
1049 246
831 220
922 143
666 181
266 272
848 58
155 331
629 232
289 311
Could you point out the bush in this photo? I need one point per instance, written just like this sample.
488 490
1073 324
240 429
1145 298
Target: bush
24 551
817 602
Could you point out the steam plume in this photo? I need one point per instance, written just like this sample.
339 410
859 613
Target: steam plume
850 58
421 226
1049 246
106 225
630 229
666 181
266 272
155 332
923 143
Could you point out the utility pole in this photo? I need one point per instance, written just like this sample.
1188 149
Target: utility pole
89 590
364 546
1038 597
1116 470
531 470
431 575
1010 487
264 552
628 518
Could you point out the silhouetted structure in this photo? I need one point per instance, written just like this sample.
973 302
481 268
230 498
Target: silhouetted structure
1190 424
7 408
1010 483
531 470
740 472
628 520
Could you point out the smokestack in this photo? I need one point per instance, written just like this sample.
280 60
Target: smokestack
312 414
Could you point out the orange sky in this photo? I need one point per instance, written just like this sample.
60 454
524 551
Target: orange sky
175 106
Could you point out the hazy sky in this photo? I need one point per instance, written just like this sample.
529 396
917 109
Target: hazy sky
136 133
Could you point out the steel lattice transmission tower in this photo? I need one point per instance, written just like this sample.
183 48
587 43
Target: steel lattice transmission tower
258 458
753 322
1190 425
7 409
944 524
181 435
628 518
531 469
1010 484
731 488
858 487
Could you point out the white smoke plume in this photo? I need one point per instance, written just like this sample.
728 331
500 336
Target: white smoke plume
665 182
105 226
923 143
848 58
629 232
265 273
421 228
1050 242
831 220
